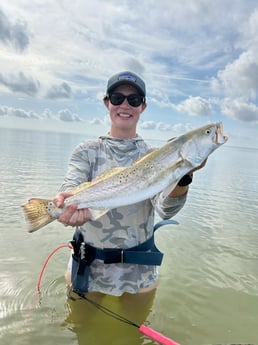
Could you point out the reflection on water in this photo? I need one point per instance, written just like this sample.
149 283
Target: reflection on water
87 322
208 290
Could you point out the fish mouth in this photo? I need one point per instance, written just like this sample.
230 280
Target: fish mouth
220 138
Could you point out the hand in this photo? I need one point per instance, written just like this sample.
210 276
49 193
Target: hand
199 167
178 190
71 216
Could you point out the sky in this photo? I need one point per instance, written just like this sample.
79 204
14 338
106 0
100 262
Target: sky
199 60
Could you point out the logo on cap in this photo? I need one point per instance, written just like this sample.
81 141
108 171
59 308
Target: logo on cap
127 76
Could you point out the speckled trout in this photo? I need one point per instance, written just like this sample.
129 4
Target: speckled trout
159 170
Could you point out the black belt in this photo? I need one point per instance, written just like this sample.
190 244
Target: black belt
145 253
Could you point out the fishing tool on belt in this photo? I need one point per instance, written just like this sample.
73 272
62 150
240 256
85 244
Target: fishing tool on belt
146 330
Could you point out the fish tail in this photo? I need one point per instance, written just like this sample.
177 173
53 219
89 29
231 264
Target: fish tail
36 213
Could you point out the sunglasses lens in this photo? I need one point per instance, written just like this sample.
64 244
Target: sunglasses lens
134 100
116 98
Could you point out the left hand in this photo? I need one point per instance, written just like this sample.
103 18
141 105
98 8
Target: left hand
199 167
179 191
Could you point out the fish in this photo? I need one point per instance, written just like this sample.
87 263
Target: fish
157 171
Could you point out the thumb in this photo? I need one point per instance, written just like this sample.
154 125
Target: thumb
60 198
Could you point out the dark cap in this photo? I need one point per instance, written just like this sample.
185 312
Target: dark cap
126 78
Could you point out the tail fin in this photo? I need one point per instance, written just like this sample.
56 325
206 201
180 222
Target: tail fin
36 214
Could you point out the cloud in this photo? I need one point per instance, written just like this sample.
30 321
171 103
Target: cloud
3 110
164 127
47 114
20 83
96 121
148 125
17 112
239 78
64 115
240 110
195 106
59 91
15 34
134 65
67 116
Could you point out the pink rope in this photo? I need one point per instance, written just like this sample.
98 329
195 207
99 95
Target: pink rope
46 262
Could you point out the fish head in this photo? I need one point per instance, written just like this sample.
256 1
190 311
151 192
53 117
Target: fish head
200 143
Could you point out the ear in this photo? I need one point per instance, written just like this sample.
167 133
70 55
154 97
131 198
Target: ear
144 106
106 102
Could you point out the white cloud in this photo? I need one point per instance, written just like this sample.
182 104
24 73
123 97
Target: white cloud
164 127
195 106
239 78
59 91
96 121
64 115
18 112
3 110
15 34
20 83
148 125
67 116
240 110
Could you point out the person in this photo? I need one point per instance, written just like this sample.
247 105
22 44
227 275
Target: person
129 227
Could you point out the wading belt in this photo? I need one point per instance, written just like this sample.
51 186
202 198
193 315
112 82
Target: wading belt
145 253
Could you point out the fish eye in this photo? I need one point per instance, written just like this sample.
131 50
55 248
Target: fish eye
208 131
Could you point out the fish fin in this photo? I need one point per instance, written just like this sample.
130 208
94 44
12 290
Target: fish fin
96 214
171 139
36 215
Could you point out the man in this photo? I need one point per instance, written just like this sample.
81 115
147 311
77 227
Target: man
98 263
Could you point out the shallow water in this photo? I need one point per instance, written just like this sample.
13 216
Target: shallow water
208 289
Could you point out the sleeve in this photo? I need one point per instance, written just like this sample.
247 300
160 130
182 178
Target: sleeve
167 207
79 168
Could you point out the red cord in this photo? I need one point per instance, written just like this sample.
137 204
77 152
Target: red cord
47 260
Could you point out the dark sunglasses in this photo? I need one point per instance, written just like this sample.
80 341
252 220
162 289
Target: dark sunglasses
134 99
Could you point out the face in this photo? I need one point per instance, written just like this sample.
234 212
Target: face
124 117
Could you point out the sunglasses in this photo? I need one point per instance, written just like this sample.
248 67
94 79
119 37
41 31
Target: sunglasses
133 100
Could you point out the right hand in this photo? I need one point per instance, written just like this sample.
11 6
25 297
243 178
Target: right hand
71 216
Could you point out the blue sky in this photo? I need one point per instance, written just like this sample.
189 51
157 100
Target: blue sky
198 59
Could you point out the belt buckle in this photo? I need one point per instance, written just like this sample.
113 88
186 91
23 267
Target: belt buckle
113 255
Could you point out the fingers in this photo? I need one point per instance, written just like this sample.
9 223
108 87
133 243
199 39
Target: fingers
68 214
71 216
200 166
60 198
74 217
80 217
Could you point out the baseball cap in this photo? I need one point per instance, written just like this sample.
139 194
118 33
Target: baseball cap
126 78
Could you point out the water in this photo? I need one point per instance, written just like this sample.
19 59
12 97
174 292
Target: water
208 289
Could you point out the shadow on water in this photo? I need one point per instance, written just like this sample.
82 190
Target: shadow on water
95 327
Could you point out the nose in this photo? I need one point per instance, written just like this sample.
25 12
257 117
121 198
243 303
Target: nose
125 102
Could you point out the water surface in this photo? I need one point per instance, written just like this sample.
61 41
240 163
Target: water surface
208 289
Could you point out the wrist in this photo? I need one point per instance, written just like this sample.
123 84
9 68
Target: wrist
185 180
